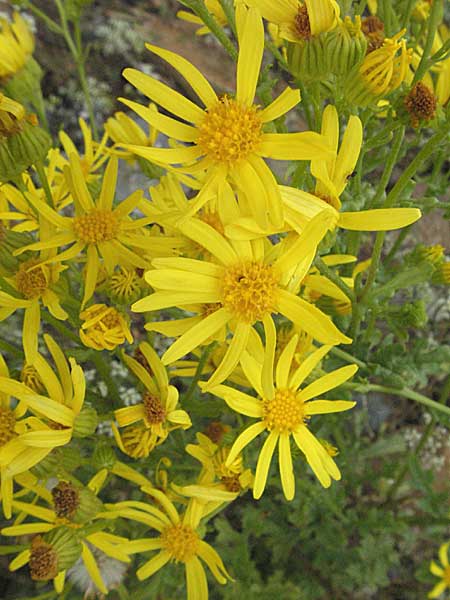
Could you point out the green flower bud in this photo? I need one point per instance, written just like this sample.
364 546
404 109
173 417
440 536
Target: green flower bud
85 423
25 84
29 145
345 47
308 60
104 456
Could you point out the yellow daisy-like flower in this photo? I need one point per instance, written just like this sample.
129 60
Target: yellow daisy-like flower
443 572
63 501
104 328
299 21
331 179
94 156
244 286
381 72
61 407
284 409
157 414
33 281
97 226
122 129
16 45
15 456
226 136
216 474
178 541
24 218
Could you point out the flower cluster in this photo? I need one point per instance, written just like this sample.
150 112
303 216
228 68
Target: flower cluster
225 284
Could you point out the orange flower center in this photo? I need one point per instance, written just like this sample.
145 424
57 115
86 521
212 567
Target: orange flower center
302 24
30 282
284 413
43 560
181 541
96 226
230 131
66 500
154 410
7 425
249 290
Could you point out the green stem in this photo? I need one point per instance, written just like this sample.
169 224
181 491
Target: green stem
407 13
7 347
59 326
348 357
228 9
39 106
403 392
334 277
104 373
433 23
52 25
40 170
428 431
433 144
76 50
198 373
390 164
201 11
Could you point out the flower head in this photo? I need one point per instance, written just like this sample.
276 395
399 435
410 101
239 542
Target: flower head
16 45
157 415
104 328
283 409
227 134
243 286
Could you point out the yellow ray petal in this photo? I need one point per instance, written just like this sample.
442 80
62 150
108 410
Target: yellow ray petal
243 440
322 407
285 464
328 382
306 145
251 48
196 336
288 99
238 401
379 219
263 465
193 76
232 355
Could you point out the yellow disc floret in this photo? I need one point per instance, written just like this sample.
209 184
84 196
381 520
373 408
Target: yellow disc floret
96 226
181 541
248 290
7 425
230 131
31 282
284 413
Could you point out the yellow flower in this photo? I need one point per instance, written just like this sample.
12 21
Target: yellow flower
97 226
331 179
244 286
15 455
33 283
93 157
122 129
104 328
214 8
381 72
16 45
11 115
226 137
62 501
216 474
437 78
178 541
299 21
157 415
443 572
284 409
